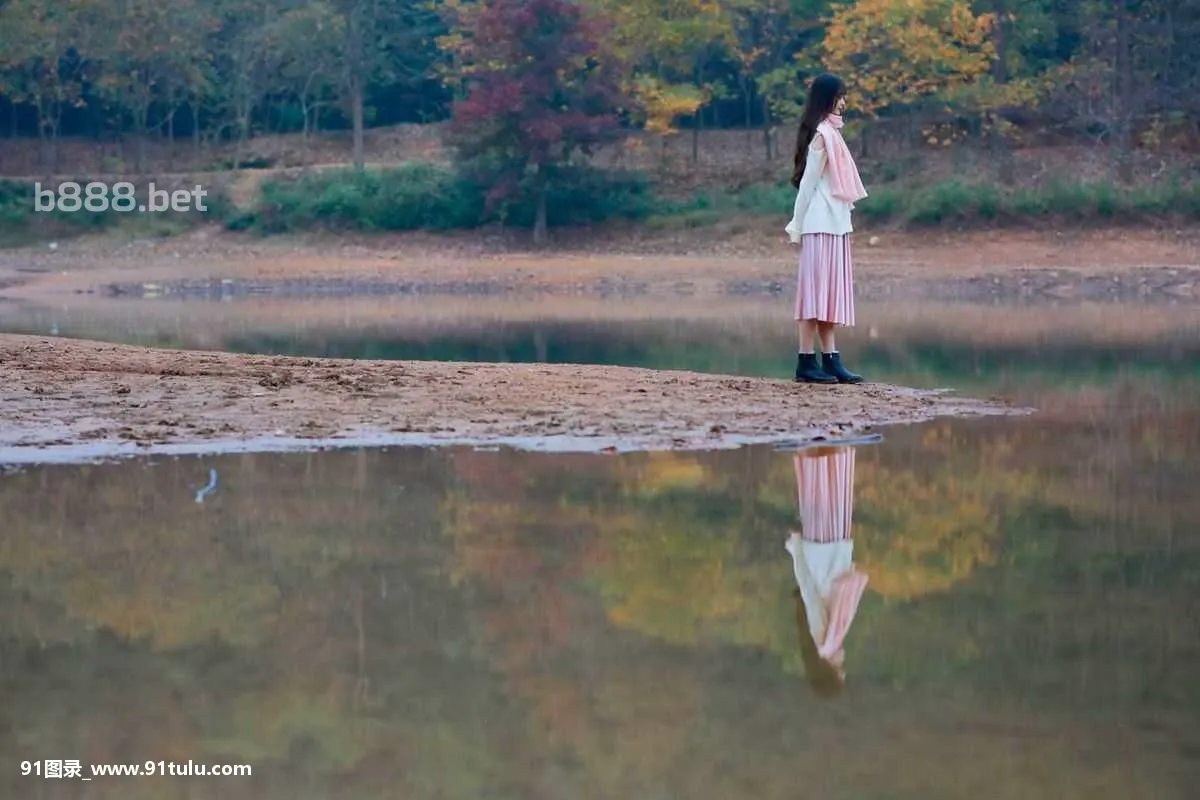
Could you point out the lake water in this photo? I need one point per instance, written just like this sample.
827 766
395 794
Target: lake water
452 623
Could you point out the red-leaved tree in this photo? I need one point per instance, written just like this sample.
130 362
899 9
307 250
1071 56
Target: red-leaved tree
539 92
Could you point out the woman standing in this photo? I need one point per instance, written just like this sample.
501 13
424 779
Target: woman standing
828 186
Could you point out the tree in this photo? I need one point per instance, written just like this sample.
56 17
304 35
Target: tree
42 55
1130 73
769 33
662 46
304 42
242 65
539 91
381 41
362 58
901 54
157 57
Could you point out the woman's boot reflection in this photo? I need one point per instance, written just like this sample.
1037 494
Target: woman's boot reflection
829 586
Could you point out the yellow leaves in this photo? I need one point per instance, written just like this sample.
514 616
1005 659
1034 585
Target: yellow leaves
915 533
917 537
664 472
452 42
668 580
662 104
942 135
894 53
665 32
657 42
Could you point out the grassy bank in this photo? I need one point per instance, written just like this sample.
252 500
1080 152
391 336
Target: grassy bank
432 198
21 222
959 203
428 197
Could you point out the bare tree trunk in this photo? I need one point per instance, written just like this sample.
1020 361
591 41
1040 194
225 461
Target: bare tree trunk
356 100
748 105
996 142
999 67
43 119
171 140
539 224
196 123
1124 59
1002 149
55 130
766 129
143 118
239 145
355 64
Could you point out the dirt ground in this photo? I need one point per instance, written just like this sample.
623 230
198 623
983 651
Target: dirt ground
1066 265
60 394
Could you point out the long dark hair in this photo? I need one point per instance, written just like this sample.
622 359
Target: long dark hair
822 99
821 675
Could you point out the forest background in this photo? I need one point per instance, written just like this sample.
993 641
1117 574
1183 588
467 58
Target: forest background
453 114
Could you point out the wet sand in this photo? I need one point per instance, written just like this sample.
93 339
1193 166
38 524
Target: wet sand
70 400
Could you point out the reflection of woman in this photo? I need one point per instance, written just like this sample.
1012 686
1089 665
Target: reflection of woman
829 586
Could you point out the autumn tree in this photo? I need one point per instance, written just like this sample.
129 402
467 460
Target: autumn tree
44 60
538 93
663 46
773 43
241 64
157 58
365 26
897 55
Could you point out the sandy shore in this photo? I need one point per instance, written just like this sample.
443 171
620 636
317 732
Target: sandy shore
66 399
1136 264
71 400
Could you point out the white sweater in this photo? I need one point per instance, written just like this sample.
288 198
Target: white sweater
816 209
816 566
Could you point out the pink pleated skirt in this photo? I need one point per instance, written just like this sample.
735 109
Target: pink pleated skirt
825 284
825 489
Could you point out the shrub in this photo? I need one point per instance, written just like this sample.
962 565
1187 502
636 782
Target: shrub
429 197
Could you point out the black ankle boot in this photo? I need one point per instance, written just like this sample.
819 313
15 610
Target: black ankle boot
832 363
809 371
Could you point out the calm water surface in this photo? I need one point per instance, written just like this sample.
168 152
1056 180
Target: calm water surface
464 624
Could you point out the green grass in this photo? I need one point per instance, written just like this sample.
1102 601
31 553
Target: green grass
958 203
22 224
431 197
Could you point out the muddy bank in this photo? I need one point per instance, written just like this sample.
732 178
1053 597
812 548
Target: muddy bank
1001 266
66 399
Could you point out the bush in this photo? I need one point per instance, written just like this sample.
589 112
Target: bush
21 223
881 204
584 195
941 202
428 197
958 202
405 198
